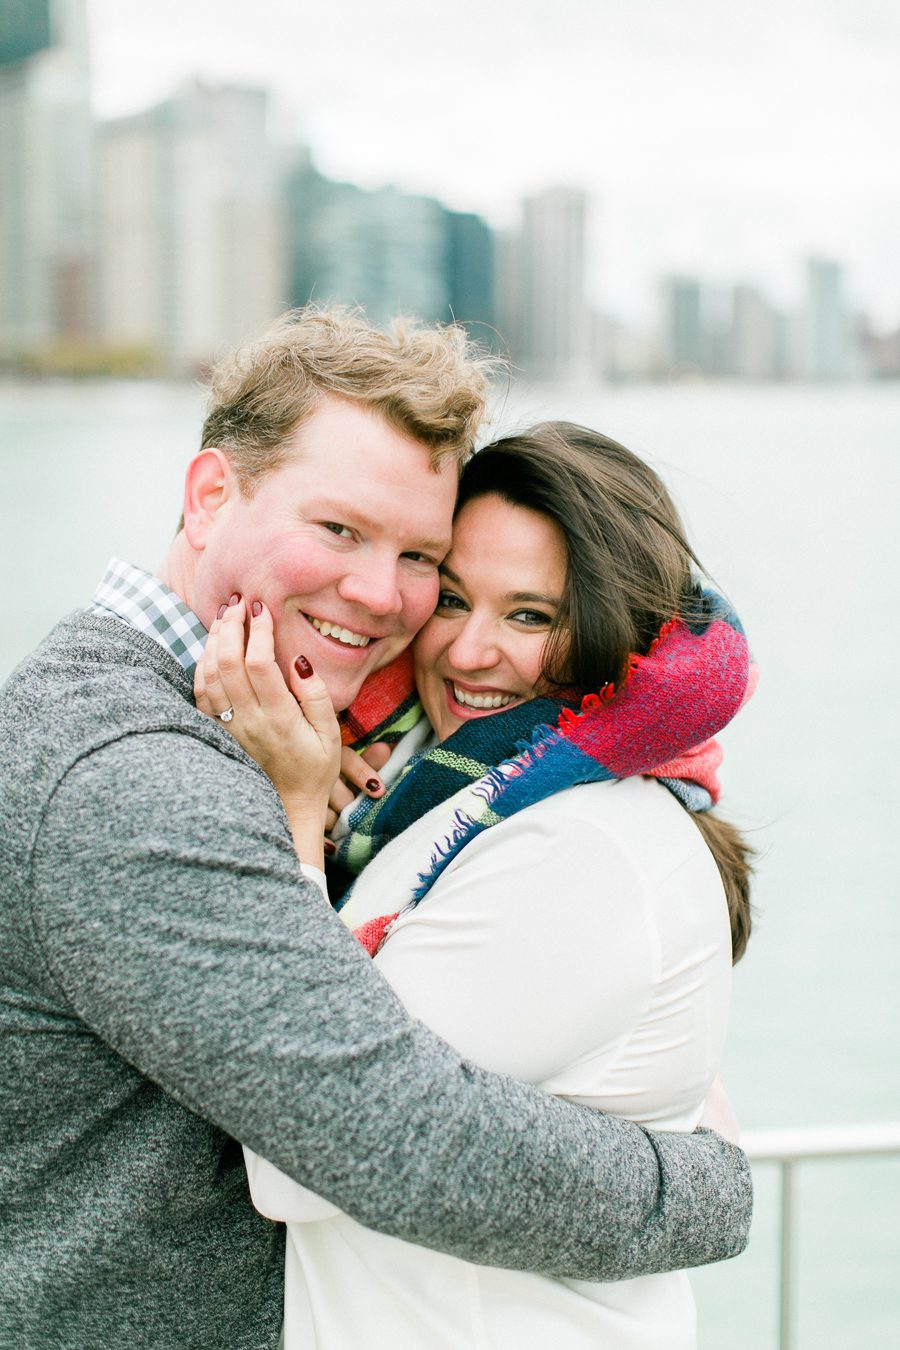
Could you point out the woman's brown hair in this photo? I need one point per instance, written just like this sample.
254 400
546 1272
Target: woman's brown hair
629 571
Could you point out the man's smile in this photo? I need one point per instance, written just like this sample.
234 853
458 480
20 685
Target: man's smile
337 633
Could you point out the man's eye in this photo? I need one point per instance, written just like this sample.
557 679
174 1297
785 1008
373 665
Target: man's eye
335 527
420 558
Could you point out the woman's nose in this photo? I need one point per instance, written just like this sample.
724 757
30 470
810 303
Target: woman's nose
474 648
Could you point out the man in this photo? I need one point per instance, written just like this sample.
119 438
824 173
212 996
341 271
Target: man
172 983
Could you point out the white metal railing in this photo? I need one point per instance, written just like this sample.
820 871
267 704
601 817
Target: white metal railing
787 1148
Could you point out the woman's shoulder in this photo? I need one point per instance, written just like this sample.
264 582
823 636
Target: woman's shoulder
637 819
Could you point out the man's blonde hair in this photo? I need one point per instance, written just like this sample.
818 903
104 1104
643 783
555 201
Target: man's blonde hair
430 383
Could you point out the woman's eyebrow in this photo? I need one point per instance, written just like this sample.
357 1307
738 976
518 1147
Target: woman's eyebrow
521 597
512 597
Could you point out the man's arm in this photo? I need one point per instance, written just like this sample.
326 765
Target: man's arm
172 913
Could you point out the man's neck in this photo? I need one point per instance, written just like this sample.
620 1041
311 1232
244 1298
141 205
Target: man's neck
177 570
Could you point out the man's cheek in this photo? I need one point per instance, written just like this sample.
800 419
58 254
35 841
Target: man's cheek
421 605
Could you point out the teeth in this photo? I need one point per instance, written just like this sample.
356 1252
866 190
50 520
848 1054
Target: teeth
481 700
334 630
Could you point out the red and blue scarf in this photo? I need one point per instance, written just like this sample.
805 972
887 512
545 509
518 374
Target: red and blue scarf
688 686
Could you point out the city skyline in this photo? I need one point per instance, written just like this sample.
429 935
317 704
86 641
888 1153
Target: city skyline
729 142
223 225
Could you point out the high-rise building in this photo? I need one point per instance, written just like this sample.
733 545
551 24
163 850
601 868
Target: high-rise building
470 274
192 249
757 336
387 251
685 342
46 174
541 302
826 322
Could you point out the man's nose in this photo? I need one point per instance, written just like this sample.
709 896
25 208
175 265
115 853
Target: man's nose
374 585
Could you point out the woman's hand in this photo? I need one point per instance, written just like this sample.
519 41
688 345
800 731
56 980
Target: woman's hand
356 776
292 733
718 1113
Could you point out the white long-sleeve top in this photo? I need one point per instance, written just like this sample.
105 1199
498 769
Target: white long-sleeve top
583 945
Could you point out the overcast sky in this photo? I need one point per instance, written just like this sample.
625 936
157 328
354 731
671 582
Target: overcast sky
721 136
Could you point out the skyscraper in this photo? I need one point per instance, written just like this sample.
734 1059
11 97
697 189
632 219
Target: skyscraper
386 250
470 274
190 225
542 306
756 336
46 174
685 345
826 321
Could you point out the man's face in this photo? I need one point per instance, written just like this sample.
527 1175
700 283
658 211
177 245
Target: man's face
341 543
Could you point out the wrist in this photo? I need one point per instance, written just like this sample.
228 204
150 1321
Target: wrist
307 824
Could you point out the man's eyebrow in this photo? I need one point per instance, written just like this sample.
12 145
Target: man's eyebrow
512 597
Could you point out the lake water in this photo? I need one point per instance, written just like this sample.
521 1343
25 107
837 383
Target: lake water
792 499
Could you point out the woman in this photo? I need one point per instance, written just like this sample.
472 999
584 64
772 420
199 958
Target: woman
556 915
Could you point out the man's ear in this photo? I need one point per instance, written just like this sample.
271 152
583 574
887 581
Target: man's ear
209 484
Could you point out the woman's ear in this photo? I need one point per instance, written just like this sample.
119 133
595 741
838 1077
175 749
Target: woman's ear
209 484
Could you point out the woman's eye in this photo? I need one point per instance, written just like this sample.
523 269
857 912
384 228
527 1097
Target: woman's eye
448 600
343 531
532 618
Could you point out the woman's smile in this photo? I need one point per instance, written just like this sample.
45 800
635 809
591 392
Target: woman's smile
468 699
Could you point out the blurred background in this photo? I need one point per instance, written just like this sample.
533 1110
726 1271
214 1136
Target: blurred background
680 222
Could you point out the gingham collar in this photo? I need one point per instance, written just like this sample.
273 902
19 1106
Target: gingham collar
140 599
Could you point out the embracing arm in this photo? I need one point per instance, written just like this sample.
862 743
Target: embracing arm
676 1184
190 943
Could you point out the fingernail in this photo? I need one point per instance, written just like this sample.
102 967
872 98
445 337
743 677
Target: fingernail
303 668
221 611
330 848
256 609
373 785
235 599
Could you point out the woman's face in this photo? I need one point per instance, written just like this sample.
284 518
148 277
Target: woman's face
501 585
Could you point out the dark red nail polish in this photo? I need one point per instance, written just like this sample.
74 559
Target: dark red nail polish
235 599
373 785
330 848
303 668
221 611
256 609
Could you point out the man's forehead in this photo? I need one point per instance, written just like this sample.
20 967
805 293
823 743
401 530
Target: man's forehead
347 423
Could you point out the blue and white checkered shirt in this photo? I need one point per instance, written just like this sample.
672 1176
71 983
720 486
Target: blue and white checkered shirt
140 599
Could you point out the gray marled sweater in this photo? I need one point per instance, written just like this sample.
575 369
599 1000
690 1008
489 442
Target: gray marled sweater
171 983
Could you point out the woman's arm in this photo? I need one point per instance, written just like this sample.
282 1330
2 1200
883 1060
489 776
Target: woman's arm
292 733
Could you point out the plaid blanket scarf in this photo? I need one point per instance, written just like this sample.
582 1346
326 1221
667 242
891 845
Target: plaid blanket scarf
689 685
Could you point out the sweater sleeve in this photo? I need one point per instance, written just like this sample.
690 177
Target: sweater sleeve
187 939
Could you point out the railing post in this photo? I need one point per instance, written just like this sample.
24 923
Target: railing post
786 1338
786 1148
